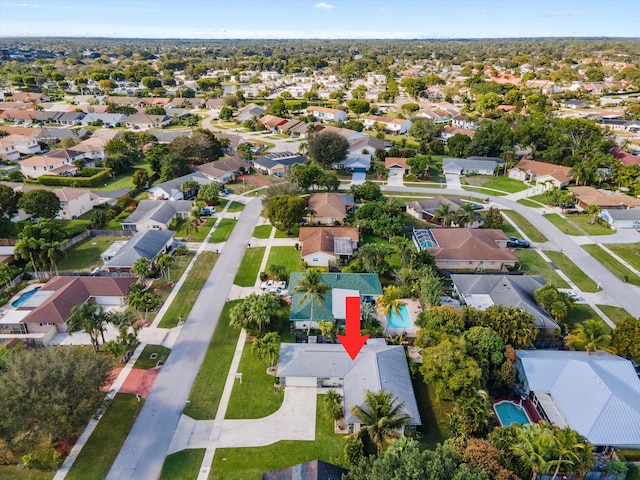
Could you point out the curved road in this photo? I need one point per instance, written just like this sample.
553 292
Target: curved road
619 291
144 450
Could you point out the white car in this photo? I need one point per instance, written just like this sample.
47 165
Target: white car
271 286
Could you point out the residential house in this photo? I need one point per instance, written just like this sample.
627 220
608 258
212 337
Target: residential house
48 116
26 145
191 103
46 313
121 255
617 219
546 87
397 163
225 170
355 163
30 97
165 137
157 215
70 118
249 112
586 196
147 121
464 122
396 126
329 208
593 394
74 201
426 209
93 148
295 128
215 106
448 132
482 291
471 165
346 133
313 470
57 162
574 104
327 246
230 142
103 118
625 157
20 116
437 116
170 190
276 163
328 114
271 122
541 173
365 285
366 145
466 248
8 151
375 368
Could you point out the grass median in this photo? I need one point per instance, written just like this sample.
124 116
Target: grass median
628 251
524 225
563 225
262 231
182 465
616 314
287 256
618 269
145 362
532 263
188 294
104 444
223 230
207 389
249 267
571 270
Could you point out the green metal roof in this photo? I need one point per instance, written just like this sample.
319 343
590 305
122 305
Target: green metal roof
366 283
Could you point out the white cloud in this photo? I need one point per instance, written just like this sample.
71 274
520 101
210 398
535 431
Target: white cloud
324 6
23 5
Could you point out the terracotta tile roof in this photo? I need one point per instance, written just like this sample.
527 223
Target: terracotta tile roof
322 109
327 205
397 121
604 198
391 162
624 157
71 291
272 121
560 173
470 244
321 239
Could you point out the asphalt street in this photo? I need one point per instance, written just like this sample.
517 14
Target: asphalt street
144 450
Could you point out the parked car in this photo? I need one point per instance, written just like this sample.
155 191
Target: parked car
207 211
225 192
273 286
476 206
515 242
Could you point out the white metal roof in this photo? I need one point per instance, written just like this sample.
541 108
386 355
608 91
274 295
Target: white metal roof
339 302
597 394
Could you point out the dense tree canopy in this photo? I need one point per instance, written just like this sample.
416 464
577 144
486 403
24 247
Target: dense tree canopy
40 203
327 148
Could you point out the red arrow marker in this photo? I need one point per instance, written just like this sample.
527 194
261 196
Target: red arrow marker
352 341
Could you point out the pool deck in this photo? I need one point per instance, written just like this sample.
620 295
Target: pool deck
414 309
527 404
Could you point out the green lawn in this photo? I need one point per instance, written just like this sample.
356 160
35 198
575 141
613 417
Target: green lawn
293 234
79 224
633 473
262 231
563 225
580 313
251 463
14 472
629 251
236 207
223 230
616 314
584 222
182 465
571 270
619 270
116 223
124 180
508 229
503 183
529 203
144 361
209 384
255 397
102 448
542 198
433 413
249 267
85 255
483 191
532 263
287 256
528 229
195 236
188 294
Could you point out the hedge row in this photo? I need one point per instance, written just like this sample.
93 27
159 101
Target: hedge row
61 181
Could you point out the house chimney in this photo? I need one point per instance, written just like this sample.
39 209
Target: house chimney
337 276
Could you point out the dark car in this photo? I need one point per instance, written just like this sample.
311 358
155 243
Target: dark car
475 206
515 242
207 211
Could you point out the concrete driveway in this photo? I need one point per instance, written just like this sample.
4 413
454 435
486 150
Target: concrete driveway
396 178
453 181
358 178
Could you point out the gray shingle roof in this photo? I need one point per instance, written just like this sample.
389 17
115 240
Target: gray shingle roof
145 244
159 210
509 290
377 367
173 186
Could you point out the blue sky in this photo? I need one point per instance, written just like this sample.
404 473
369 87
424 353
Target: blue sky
320 19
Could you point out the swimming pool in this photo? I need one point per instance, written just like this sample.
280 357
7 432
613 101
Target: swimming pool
400 321
509 412
24 297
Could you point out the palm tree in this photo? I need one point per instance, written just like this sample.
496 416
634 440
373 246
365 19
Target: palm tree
313 289
589 336
331 404
267 348
465 215
475 415
50 254
593 210
164 263
531 448
88 317
382 418
571 451
444 213
389 302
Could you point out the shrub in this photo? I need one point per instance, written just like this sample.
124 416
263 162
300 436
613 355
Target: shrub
103 175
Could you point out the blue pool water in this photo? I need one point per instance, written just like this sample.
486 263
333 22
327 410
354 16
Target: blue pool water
508 412
400 321
24 297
